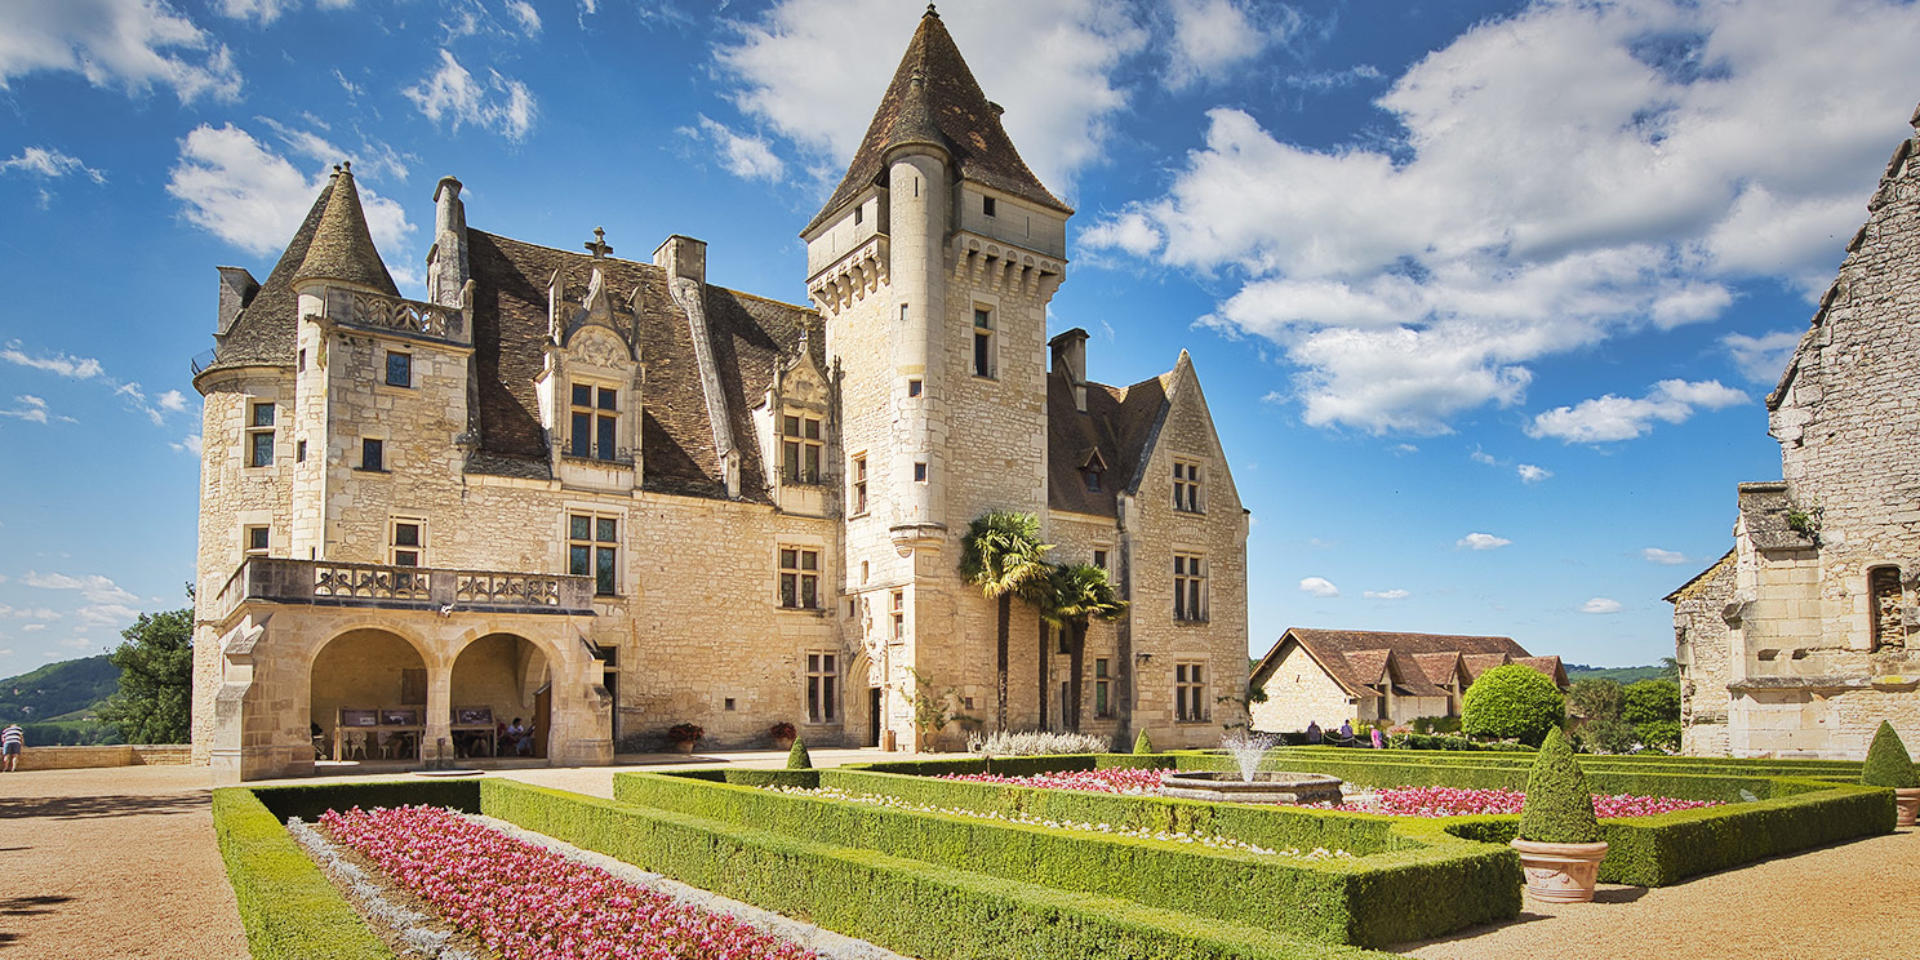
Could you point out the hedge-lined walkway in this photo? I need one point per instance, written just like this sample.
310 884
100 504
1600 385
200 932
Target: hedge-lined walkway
122 863
1853 900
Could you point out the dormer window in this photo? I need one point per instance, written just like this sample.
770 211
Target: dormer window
594 427
1093 479
1092 471
802 446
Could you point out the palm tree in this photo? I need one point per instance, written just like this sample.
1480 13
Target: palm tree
1003 556
1076 595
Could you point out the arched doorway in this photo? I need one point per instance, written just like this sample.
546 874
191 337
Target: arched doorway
368 698
500 680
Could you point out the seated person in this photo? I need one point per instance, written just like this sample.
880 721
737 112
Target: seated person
516 739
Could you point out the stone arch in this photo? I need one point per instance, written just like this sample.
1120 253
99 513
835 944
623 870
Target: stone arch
366 691
503 677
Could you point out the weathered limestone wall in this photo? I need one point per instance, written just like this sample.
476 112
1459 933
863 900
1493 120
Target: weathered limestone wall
1298 693
1704 643
117 755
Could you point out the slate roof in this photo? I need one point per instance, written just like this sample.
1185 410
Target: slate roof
1360 659
946 107
748 335
342 248
1119 424
264 332
1763 509
1699 580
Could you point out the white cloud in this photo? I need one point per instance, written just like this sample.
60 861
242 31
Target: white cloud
33 628
528 17
1610 418
1666 558
1532 474
1762 359
66 365
1482 457
251 197
94 587
1334 79
76 643
791 69
1319 587
1563 175
130 44
51 164
1385 594
173 401
191 443
1211 36
260 11
1601 605
107 615
744 156
452 94
28 613
27 407
1481 541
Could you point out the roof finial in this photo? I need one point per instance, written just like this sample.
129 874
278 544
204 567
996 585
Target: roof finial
931 12
346 166
599 246
336 169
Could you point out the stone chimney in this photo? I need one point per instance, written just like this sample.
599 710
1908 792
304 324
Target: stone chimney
447 265
683 258
1070 360
237 287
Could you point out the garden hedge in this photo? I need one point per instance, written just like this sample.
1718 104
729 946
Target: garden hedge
1372 900
906 905
289 909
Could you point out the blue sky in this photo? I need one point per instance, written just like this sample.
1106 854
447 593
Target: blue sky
1485 296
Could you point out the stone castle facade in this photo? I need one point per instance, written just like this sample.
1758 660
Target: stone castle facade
1805 636
610 497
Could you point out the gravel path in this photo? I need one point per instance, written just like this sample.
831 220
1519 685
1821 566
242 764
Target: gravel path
1854 901
119 863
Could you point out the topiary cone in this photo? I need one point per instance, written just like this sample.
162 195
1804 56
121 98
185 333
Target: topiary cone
1143 743
798 758
1559 842
1889 765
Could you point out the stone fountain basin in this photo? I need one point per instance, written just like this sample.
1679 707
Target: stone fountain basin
1267 786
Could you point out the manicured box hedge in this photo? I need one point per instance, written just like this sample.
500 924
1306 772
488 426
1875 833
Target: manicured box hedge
906 905
289 909
1373 900
309 800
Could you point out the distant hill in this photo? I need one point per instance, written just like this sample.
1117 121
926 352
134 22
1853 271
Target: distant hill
1619 675
66 690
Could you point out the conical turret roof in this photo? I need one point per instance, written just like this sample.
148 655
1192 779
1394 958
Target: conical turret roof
342 248
934 99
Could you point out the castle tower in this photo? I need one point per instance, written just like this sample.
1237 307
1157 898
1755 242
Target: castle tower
933 262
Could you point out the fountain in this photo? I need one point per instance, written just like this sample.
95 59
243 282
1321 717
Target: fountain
1253 785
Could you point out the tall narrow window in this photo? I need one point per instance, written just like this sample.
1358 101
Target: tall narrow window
1189 587
373 454
859 213
1100 559
858 486
1888 627
258 539
913 386
1186 485
988 206
982 342
899 602
593 550
919 472
823 687
1102 689
594 423
399 369
802 445
1189 692
799 578
408 542
260 435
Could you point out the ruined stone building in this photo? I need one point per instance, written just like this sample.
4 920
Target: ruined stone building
1366 676
607 496
1802 638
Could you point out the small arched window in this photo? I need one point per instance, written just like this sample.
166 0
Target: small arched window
1886 608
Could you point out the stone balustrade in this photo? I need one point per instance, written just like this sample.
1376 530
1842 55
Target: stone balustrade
332 583
373 311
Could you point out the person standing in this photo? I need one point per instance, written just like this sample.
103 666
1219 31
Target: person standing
13 740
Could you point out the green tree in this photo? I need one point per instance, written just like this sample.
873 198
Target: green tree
1513 702
1595 698
1888 764
1003 556
1559 806
1653 707
1074 596
155 698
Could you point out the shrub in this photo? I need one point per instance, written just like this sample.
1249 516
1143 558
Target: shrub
1595 698
798 758
1559 807
1447 724
685 733
1513 702
1888 764
1608 735
782 731
1143 743
1659 734
289 910
1037 744
1441 741
1650 701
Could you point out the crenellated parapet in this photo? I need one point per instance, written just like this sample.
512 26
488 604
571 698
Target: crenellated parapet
999 268
852 278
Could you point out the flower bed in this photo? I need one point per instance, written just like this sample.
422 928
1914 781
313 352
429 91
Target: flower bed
527 903
1209 840
1110 780
1459 801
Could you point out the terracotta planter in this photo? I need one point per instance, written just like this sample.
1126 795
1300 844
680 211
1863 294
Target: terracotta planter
1560 872
1906 805
685 746
783 743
